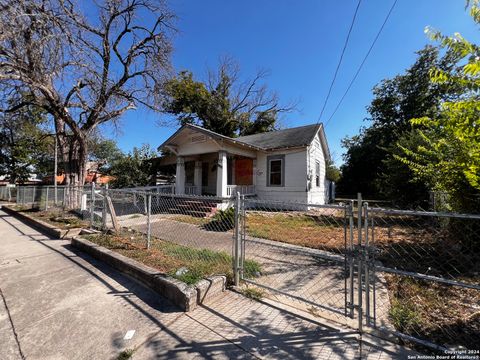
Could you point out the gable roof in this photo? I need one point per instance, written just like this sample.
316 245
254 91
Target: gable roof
280 139
296 137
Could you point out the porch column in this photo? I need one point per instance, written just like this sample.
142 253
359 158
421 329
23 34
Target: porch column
197 177
180 176
222 174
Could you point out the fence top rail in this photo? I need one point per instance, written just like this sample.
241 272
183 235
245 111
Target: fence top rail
294 203
171 195
422 213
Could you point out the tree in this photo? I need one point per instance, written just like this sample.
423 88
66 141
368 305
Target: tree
135 168
223 103
24 145
105 152
332 173
449 157
84 70
370 166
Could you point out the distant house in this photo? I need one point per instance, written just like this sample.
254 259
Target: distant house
92 175
283 165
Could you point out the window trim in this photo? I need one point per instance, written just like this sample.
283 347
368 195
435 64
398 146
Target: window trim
282 169
318 170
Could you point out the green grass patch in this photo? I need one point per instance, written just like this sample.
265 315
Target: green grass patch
253 293
182 262
126 354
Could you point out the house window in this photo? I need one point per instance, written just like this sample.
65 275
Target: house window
317 173
276 170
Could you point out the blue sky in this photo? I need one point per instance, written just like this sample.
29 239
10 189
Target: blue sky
299 42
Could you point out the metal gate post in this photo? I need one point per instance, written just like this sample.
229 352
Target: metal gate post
236 241
360 264
46 199
367 267
350 257
149 223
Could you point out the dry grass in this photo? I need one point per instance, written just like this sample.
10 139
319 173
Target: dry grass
314 231
57 217
171 258
442 314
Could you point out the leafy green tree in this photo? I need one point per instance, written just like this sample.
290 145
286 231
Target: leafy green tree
105 152
134 168
449 157
332 173
223 104
24 144
370 166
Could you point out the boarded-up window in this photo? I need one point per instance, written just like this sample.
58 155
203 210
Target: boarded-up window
243 171
317 173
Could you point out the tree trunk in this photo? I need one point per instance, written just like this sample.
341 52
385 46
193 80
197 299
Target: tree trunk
73 149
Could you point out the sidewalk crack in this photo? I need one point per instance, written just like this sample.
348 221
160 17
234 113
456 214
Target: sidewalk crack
13 326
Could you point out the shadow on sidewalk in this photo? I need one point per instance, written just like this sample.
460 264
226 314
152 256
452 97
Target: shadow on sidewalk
243 328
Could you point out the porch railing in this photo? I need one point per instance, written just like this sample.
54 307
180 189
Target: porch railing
242 189
192 190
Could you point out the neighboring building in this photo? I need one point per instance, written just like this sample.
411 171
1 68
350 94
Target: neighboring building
283 165
93 175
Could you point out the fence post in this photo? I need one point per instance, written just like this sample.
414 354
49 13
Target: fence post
351 226
366 267
149 213
34 188
360 263
104 207
92 205
46 199
237 243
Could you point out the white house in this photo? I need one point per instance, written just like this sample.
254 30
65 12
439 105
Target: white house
283 165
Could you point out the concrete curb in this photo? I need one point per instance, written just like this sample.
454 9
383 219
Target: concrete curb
43 226
186 297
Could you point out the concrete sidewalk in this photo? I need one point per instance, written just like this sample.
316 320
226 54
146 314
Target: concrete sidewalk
59 304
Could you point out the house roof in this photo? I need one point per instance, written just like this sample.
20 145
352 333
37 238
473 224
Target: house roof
280 139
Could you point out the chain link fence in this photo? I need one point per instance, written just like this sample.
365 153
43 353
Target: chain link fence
302 251
414 275
8 193
429 264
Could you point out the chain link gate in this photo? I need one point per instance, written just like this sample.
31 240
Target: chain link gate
399 274
319 278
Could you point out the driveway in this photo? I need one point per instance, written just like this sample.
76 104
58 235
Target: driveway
59 304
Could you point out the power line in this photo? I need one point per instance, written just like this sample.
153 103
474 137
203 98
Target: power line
340 60
363 62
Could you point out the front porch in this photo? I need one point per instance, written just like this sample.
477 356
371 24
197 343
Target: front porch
220 174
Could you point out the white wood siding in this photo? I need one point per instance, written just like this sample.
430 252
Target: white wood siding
316 194
295 186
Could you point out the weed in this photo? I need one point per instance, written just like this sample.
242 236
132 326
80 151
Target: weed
253 293
125 354
404 315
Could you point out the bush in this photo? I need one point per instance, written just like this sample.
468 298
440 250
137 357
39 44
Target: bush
223 220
